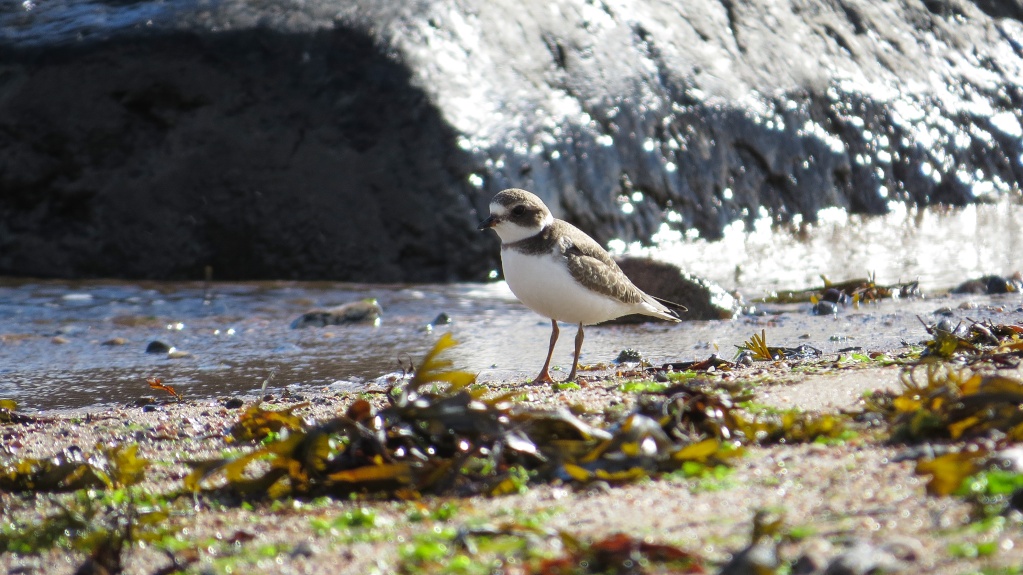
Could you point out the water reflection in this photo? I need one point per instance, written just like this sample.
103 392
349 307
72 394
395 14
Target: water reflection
938 246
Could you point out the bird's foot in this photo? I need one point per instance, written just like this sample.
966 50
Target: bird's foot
544 377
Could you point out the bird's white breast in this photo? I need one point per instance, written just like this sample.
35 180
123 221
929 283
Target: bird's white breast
544 284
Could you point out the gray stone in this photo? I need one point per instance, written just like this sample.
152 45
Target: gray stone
362 311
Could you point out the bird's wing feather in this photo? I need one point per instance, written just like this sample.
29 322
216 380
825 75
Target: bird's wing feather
591 266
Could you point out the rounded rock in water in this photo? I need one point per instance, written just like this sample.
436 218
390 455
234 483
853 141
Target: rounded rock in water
363 311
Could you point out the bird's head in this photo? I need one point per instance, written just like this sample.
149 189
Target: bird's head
516 215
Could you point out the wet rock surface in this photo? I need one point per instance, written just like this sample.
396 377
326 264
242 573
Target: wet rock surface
357 141
363 311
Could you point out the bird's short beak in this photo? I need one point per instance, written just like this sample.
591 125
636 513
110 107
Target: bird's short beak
487 223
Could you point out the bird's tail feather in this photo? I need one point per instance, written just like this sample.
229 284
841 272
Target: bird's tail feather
665 309
677 307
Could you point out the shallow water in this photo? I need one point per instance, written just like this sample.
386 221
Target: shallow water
52 333
242 335
939 247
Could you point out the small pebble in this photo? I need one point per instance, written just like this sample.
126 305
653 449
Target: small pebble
59 339
825 308
629 355
1016 500
835 296
303 549
115 341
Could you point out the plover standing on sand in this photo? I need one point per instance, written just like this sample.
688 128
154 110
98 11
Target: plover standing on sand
559 272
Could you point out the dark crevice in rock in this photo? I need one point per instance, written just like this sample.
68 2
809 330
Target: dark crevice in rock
1001 8
733 23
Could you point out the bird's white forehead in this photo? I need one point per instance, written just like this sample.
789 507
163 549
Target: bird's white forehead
497 209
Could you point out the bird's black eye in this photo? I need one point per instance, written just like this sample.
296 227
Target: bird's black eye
519 210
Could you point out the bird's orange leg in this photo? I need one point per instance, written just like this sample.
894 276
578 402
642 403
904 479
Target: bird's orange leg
545 374
578 348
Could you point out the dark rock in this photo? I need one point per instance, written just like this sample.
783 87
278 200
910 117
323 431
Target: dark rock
835 296
946 325
971 287
990 285
704 299
629 355
803 351
360 140
824 307
233 403
441 319
302 549
144 401
808 564
363 311
1016 501
258 152
157 346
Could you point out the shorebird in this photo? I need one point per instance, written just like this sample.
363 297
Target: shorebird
559 272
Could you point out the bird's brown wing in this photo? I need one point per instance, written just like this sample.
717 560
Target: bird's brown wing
591 266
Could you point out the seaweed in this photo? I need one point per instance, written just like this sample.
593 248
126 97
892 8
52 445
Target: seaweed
257 424
867 289
858 290
102 518
9 413
712 363
977 342
111 467
943 401
157 383
440 435
949 471
691 411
